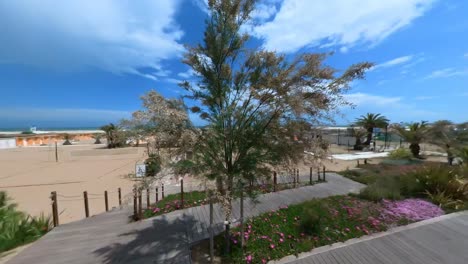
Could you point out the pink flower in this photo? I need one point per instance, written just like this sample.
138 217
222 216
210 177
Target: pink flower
281 240
248 259
347 230
281 234
156 210
302 234
264 261
272 246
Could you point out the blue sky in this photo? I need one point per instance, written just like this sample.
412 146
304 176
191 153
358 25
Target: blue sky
86 63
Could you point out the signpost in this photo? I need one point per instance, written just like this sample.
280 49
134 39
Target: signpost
140 170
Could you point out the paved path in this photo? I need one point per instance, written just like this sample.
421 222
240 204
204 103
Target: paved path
110 238
441 240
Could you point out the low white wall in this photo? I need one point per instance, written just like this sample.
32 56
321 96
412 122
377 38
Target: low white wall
6 143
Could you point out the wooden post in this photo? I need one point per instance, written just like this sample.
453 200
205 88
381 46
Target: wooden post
310 176
120 197
324 179
318 174
86 205
294 177
274 181
242 214
162 191
56 152
147 198
157 195
297 175
135 205
357 163
140 207
182 193
211 228
106 201
53 196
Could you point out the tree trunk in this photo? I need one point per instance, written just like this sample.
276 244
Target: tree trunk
370 130
414 147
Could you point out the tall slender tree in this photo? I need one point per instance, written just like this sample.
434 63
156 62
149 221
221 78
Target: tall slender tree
257 103
369 122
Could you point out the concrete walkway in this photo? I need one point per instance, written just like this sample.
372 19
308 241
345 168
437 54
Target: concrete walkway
111 238
439 240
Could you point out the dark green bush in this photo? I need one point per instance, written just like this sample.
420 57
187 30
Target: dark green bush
153 164
17 228
400 154
312 216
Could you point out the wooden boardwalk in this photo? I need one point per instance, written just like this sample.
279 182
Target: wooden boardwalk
111 238
441 240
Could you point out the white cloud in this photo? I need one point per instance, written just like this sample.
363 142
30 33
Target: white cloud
115 36
421 98
301 23
368 99
394 62
446 73
187 74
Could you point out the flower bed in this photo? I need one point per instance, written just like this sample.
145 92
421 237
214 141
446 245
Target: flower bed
302 227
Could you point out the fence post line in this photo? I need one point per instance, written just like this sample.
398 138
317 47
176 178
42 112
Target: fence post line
147 198
120 197
135 213
157 194
53 197
274 181
318 174
211 228
310 176
86 205
162 191
324 178
140 207
242 215
106 201
182 193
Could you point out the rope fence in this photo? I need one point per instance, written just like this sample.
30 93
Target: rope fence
182 192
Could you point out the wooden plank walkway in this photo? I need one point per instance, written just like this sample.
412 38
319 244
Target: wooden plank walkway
111 238
439 240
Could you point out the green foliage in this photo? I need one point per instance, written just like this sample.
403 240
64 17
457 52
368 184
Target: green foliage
446 186
414 133
382 188
361 176
16 228
183 167
302 227
153 164
400 154
312 219
27 132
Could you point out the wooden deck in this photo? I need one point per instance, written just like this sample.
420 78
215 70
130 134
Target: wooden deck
110 238
442 240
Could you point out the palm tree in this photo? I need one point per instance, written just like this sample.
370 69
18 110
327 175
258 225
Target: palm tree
110 131
369 122
414 133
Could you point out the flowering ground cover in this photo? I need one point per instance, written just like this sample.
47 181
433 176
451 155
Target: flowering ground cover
298 228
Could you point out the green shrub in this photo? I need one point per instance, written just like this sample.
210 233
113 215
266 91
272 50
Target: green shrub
16 228
400 154
312 216
153 165
359 176
383 188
